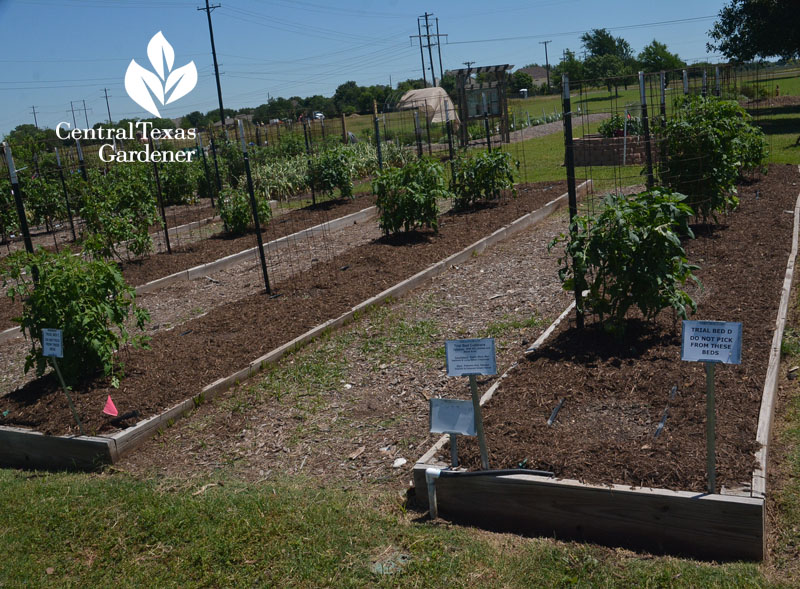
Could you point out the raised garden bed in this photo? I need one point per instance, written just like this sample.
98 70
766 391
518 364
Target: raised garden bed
162 382
184 257
616 482
596 150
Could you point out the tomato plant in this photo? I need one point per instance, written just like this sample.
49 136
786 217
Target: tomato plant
630 255
407 197
88 300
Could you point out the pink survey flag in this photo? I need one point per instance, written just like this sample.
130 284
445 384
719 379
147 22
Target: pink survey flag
110 409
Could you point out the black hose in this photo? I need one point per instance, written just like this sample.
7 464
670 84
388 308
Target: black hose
495 473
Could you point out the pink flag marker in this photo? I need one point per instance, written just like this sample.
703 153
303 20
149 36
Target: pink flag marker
110 409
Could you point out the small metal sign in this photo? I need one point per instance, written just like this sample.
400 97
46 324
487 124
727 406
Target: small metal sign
452 416
712 341
52 343
470 356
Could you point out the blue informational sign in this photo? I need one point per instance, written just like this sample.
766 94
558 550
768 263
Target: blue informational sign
452 416
711 341
52 343
470 356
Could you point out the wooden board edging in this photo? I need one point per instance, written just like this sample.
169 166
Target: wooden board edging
766 413
24 448
719 527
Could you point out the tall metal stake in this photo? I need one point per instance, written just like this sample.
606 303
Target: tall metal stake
23 221
711 420
161 206
66 196
377 135
476 406
569 160
205 167
254 206
646 126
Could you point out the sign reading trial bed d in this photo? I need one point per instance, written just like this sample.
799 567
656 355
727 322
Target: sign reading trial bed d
711 341
470 356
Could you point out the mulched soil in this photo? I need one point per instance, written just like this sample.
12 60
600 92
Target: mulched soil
183 257
616 391
181 362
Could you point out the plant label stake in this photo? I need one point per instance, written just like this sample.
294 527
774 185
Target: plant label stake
453 417
53 347
471 357
711 342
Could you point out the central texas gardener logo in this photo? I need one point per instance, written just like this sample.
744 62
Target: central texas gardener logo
168 86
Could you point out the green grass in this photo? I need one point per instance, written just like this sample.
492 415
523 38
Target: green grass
389 336
101 530
508 324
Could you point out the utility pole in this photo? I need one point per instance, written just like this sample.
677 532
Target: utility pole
72 108
546 62
429 46
468 63
35 122
108 108
85 114
430 52
208 9
421 54
439 49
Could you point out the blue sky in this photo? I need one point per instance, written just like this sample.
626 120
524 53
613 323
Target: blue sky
57 51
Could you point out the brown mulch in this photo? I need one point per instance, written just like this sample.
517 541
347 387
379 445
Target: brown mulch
616 391
138 272
182 361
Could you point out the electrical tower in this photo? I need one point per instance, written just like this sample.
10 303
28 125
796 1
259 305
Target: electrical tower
429 46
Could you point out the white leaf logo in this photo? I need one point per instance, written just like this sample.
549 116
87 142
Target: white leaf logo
140 82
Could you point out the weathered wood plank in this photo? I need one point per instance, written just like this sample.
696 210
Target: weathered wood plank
716 527
768 397
23 448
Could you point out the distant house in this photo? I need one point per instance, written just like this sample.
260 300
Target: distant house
538 73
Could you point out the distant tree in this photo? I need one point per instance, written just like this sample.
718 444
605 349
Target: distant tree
599 42
610 68
448 82
194 120
747 29
570 65
411 84
346 96
655 57
213 114
519 80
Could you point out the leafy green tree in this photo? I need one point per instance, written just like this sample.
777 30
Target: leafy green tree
519 80
194 120
608 67
570 65
747 29
599 42
655 57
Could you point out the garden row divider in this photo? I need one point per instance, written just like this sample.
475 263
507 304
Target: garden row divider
759 484
715 526
35 450
217 265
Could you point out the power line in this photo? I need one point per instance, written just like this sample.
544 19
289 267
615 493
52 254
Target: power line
620 28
